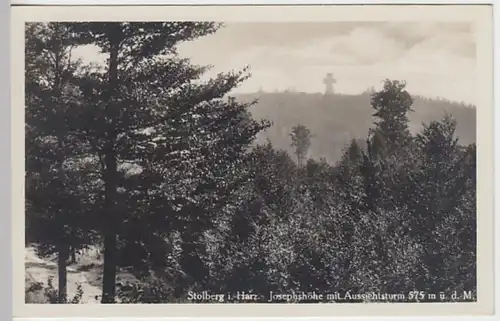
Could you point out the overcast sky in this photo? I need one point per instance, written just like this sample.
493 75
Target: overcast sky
436 59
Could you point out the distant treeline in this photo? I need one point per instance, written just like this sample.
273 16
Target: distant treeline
336 119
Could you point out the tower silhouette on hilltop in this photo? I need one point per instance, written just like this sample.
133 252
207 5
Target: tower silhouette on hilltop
329 81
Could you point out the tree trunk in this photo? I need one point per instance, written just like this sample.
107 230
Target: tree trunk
110 234
61 271
110 175
73 255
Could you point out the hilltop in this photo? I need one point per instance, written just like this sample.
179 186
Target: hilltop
336 119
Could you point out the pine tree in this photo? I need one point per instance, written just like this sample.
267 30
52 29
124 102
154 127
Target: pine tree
55 186
382 169
149 109
391 144
392 105
440 191
439 169
301 140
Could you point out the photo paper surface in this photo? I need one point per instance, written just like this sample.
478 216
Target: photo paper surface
252 161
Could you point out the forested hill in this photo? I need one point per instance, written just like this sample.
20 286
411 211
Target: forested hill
334 120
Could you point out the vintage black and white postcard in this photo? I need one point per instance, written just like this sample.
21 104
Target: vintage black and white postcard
252 161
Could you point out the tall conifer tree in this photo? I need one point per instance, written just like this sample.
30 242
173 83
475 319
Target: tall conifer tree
56 171
150 109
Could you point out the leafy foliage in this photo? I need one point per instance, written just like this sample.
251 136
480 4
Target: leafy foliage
161 167
50 294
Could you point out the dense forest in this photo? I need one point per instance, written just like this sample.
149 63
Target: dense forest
168 176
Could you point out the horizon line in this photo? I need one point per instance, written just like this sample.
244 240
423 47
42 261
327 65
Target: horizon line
292 91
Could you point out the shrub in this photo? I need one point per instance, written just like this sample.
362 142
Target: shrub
38 293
